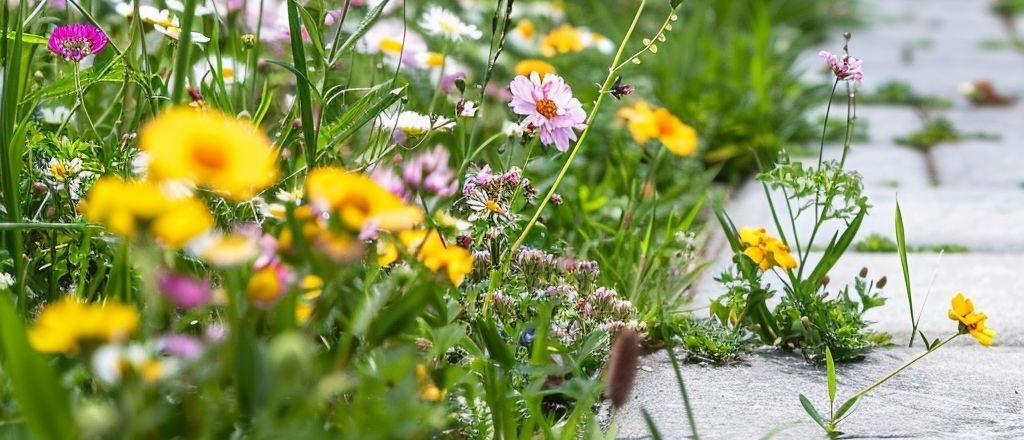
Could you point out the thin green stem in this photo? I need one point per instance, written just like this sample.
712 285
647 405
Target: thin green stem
902 367
181 56
605 88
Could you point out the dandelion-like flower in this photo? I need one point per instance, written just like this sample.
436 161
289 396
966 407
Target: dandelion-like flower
77 41
846 68
549 107
440 21
970 321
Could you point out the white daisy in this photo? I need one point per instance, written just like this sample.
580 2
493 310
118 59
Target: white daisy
174 32
440 21
206 8
54 115
232 71
390 38
6 281
412 123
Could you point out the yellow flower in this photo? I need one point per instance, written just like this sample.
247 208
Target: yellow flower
970 321
265 286
431 392
525 29
359 201
227 250
766 251
229 155
126 207
528 66
65 324
563 39
646 123
436 255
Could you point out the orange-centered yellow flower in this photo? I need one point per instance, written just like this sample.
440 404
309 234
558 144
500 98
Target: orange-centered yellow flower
766 251
646 123
528 66
970 321
456 262
126 207
563 39
64 325
230 156
359 201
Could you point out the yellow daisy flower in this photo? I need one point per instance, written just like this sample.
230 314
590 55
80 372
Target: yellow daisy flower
646 123
358 201
531 65
563 39
765 251
970 321
64 325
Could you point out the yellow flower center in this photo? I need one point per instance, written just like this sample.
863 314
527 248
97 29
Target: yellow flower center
548 108
390 45
209 157
494 207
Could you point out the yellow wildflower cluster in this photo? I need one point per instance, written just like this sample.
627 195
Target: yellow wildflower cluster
429 391
229 155
569 39
766 251
312 286
970 321
359 202
339 246
531 65
646 123
127 206
428 247
66 324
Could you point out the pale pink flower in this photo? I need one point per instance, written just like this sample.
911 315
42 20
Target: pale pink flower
549 108
430 172
846 67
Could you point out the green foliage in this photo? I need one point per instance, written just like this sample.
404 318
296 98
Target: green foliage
896 92
878 243
709 341
934 132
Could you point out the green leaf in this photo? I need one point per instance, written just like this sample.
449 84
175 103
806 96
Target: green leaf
651 426
30 38
368 21
812 412
362 112
831 372
834 251
37 388
901 248
727 226
845 407
496 347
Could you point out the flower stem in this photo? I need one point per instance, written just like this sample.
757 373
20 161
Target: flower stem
902 367
605 88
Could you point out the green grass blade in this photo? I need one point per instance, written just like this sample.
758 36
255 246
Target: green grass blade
831 372
37 388
901 248
302 87
651 426
812 412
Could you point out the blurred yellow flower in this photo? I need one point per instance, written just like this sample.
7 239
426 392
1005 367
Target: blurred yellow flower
970 321
265 286
531 65
766 251
64 325
436 255
359 201
646 123
126 207
312 286
229 155
525 29
563 39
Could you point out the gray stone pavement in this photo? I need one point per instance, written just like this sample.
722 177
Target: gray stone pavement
962 391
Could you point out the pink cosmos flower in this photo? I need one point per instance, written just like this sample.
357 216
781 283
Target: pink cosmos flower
184 291
76 41
549 108
430 172
846 68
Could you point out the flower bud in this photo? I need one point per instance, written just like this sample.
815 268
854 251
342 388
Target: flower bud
881 282
249 40
863 272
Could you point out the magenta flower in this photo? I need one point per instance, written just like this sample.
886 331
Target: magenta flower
76 41
846 68
185 292
430 172
549 108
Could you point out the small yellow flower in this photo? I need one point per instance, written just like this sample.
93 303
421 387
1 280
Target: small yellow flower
359 201
229 155
970 321
126 207
226 250
766 251
436 255
64 325
646 123
528 66
265 286
563 39
525 29
431 393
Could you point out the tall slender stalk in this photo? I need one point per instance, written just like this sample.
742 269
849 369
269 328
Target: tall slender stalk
605 89
182 55
302 85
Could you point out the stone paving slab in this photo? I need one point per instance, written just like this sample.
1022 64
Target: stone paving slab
969 392
982 163
979 217
993 281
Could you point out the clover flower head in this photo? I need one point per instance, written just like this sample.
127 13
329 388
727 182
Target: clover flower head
77 41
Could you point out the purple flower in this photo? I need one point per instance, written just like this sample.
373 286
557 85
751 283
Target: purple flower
430 172
386 177
549 108
185 292
179 345
76 41
846 68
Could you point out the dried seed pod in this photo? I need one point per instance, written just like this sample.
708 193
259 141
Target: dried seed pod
881 282
622 367
863 272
